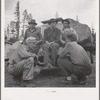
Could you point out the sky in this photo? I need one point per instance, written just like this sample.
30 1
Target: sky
46 9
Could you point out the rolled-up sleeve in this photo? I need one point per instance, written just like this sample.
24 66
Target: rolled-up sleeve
65 51
23 52
45 35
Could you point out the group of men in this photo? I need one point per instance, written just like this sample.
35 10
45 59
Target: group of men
58 48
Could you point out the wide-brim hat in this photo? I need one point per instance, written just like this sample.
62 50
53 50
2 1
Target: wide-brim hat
59 19
66 20
52 20
32 21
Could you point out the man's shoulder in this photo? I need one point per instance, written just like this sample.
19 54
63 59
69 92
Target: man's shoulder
48 28
71 43
21 46
38 29
57 29
72 29
27 30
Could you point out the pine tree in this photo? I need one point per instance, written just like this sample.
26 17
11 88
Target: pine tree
26 18
30 17
25 14
12 26
8 31
77 18
56 16
17 15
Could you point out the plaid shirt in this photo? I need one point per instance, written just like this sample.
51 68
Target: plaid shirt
76 53
52 35
33 33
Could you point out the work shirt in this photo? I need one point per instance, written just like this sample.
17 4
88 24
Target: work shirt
76 53
19 54
33 33
52 35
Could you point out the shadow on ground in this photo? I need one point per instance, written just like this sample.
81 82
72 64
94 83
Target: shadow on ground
51 78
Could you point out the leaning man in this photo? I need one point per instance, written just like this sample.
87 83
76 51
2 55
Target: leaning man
21 63
74 59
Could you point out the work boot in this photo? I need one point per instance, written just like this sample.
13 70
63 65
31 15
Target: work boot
83 80
74 79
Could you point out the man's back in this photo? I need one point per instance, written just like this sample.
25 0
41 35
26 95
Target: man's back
78 54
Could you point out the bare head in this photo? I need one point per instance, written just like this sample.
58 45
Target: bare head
71 37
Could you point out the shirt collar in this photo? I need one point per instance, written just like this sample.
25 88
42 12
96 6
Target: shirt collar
32 30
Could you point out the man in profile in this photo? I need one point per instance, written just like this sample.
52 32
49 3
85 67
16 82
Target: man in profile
74 61
22 62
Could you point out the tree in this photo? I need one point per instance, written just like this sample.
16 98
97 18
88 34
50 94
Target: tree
56 16
30 17
77 18
17 15
25 14
12 26
8 31
26 18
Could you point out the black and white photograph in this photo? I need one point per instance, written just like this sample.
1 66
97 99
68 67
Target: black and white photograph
50 44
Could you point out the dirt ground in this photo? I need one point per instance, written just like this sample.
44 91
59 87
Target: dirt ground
51 78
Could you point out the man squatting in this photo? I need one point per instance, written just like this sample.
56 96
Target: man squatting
72 58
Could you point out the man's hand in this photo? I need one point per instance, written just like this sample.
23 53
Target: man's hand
51 44
47 42
34 55
40 53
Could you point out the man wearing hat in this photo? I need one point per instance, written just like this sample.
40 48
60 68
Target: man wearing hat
32 31
52 40
21 63
67 29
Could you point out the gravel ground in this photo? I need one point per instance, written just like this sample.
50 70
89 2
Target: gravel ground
50 78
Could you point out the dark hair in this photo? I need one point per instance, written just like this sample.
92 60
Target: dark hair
66 20
72 37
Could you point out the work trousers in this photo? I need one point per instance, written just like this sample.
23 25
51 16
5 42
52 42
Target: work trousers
50 53
24 68
68 67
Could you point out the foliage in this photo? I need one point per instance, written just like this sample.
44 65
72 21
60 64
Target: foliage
17 18
26 18
12 40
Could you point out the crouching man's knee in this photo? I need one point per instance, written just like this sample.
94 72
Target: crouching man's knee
59 62
55 45
30 60
89 70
